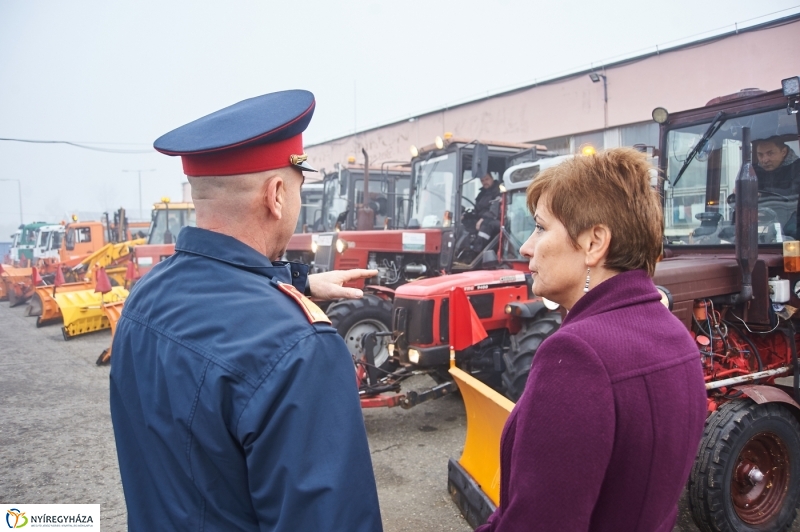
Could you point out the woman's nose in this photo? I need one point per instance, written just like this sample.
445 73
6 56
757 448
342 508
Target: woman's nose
527 248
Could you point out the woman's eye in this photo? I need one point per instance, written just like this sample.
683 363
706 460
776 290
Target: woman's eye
539 228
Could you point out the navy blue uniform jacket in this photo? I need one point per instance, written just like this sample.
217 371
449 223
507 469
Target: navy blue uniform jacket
231 410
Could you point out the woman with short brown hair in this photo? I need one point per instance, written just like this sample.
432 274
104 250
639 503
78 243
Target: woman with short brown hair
608 426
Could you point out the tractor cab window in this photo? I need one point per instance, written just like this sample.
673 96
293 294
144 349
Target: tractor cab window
334 201
434 192
402 186
178 219
699 206
310 211
519 225
378 200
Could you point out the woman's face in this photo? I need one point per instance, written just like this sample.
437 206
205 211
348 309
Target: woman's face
558 269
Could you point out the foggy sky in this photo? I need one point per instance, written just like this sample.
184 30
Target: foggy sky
119 74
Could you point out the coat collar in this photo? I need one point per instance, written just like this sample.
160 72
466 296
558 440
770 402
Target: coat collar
227 249
623 290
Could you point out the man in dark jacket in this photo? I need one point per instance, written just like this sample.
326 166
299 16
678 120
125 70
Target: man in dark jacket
487 225
233 399
778 166
778 171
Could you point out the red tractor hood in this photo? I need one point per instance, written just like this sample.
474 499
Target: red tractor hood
476 280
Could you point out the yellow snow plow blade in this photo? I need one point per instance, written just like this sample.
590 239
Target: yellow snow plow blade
474 480
83 310
112 311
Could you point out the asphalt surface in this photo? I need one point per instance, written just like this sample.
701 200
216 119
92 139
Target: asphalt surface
57 444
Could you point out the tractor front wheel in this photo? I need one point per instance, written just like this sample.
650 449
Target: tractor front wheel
746 476
353 318
524 345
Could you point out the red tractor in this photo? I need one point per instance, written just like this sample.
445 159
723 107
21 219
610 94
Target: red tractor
513 322
731 273
437 238
330 206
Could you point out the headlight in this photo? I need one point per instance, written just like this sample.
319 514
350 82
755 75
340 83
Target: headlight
341 245
413 356
390 349
314 247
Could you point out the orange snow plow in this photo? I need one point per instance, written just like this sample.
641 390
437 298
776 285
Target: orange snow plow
14 283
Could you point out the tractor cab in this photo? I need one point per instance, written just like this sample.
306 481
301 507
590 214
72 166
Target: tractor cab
701 157
448 180
387 196
311 207
339 197
168 219
517 220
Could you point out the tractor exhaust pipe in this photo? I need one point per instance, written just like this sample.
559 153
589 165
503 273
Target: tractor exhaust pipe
746 219
366 216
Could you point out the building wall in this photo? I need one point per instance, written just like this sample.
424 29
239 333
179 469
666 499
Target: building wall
679 79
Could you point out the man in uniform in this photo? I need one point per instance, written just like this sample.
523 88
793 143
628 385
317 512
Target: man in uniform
233 400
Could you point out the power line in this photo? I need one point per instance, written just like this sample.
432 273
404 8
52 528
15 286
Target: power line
77 145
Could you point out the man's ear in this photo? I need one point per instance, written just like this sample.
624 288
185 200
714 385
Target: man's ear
595 241
273 196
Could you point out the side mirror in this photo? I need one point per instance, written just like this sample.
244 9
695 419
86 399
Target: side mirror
480 160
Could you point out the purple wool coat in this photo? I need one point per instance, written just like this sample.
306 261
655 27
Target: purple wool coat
609 424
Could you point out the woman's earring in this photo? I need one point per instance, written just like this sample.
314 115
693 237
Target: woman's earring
586 286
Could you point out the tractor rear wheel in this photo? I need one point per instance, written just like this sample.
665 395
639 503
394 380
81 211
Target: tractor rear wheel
524 344
746 476
353 318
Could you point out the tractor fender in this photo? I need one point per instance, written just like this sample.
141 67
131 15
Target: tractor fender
384 292
769 394
527 309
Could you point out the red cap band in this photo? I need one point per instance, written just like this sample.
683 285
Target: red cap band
245 160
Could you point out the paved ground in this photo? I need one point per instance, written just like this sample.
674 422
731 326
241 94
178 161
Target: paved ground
57 445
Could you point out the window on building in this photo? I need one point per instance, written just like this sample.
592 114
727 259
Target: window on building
646 134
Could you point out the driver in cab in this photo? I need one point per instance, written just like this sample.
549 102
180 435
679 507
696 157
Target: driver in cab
487 225
778 170
778 167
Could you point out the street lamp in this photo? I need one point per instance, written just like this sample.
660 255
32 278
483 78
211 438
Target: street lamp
139 172
595 77
19 189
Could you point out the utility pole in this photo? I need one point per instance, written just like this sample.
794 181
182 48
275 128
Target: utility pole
19 190
139 173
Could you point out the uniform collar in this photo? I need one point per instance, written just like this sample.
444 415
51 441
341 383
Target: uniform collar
227 249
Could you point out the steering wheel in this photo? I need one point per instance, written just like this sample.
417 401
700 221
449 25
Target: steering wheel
472 203
770 193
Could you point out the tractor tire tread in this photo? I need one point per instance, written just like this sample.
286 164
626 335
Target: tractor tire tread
523 348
